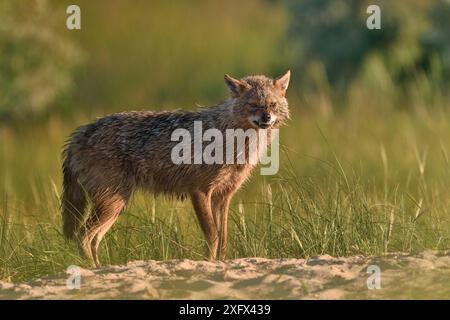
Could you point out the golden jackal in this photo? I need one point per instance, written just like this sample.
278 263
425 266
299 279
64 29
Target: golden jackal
110 158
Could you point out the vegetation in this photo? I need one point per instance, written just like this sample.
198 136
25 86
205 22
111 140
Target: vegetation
36 61
365 162
408 54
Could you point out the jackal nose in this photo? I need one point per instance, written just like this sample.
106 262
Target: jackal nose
265 117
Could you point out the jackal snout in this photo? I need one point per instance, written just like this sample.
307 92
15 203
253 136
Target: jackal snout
262 119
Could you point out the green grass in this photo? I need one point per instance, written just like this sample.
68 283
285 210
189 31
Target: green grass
363 181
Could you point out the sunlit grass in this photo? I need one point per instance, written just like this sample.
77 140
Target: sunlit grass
348 185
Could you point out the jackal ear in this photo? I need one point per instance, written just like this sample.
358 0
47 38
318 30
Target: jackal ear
237 87
282 82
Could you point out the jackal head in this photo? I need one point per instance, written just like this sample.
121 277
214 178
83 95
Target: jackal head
258 101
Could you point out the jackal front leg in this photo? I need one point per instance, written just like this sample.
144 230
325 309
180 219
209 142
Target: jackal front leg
202 205
220 203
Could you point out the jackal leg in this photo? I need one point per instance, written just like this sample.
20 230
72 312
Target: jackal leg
105 212
202 205
220 203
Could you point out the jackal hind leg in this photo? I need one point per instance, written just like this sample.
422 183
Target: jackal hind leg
103 215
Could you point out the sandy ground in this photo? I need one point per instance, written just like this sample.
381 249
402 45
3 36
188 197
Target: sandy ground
402 276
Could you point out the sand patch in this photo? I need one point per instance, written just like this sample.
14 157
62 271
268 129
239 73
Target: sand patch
403 276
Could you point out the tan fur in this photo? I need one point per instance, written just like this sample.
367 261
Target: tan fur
110 158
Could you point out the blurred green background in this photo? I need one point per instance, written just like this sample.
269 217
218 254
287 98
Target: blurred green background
364 165
161 54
